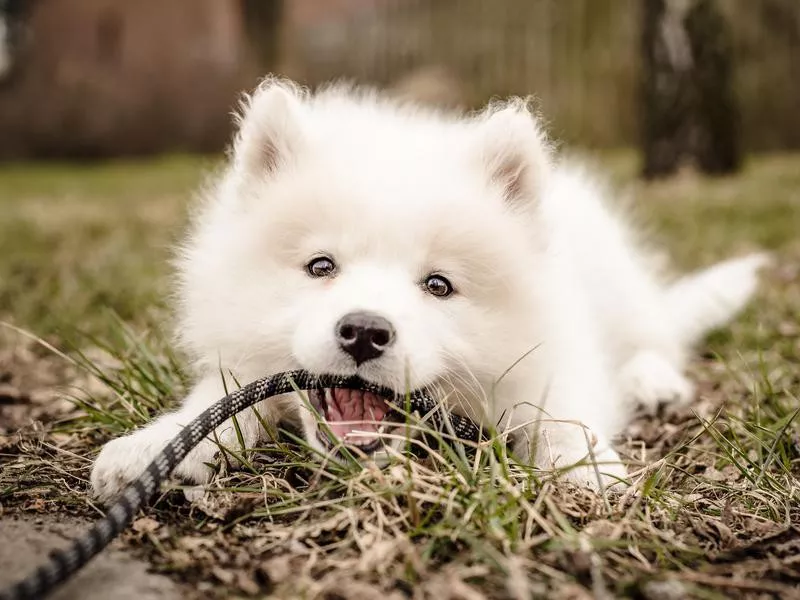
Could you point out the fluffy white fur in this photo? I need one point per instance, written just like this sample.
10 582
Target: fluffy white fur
559 325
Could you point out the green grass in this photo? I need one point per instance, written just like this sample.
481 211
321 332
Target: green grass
714 512
79 239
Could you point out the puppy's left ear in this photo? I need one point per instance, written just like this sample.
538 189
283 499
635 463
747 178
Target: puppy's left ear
514 151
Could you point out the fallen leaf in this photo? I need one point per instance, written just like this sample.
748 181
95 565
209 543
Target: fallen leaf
145 525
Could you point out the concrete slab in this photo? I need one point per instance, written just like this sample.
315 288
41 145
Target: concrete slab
25 542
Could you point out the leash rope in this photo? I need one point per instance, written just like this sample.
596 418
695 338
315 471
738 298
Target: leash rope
62 564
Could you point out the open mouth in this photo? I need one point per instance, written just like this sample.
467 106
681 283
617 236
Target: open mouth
353 417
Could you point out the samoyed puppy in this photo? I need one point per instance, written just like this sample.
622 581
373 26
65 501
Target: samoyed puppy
357 235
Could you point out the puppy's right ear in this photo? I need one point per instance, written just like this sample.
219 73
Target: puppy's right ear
269 133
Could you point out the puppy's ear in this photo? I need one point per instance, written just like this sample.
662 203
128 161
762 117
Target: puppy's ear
514 151
269 134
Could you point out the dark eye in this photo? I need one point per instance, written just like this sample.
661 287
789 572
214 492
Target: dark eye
322 266
439 286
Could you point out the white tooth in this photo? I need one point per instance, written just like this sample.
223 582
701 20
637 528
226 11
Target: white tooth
361 440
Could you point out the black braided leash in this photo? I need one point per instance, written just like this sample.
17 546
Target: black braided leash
62 564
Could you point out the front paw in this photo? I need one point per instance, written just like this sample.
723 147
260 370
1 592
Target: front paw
119 463
122 460
588 463
605 472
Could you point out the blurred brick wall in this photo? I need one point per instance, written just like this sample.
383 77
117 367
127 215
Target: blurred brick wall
109 77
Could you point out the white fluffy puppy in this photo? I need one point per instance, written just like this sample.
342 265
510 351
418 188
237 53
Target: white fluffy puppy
351 234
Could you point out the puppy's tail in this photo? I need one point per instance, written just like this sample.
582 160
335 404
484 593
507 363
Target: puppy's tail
703 301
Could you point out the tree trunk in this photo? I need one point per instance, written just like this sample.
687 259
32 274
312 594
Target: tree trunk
689 112
665 102
717 143
12 18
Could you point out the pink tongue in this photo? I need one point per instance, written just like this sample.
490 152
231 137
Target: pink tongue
354 410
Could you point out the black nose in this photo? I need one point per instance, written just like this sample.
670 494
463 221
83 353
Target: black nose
364 335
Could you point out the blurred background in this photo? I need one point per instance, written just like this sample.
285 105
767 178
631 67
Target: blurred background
103 78
112 112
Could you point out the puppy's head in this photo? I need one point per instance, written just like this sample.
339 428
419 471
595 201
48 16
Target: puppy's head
354 236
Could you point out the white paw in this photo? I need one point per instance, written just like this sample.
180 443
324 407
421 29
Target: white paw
607 473
650 381
581 458
119 462
122 460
